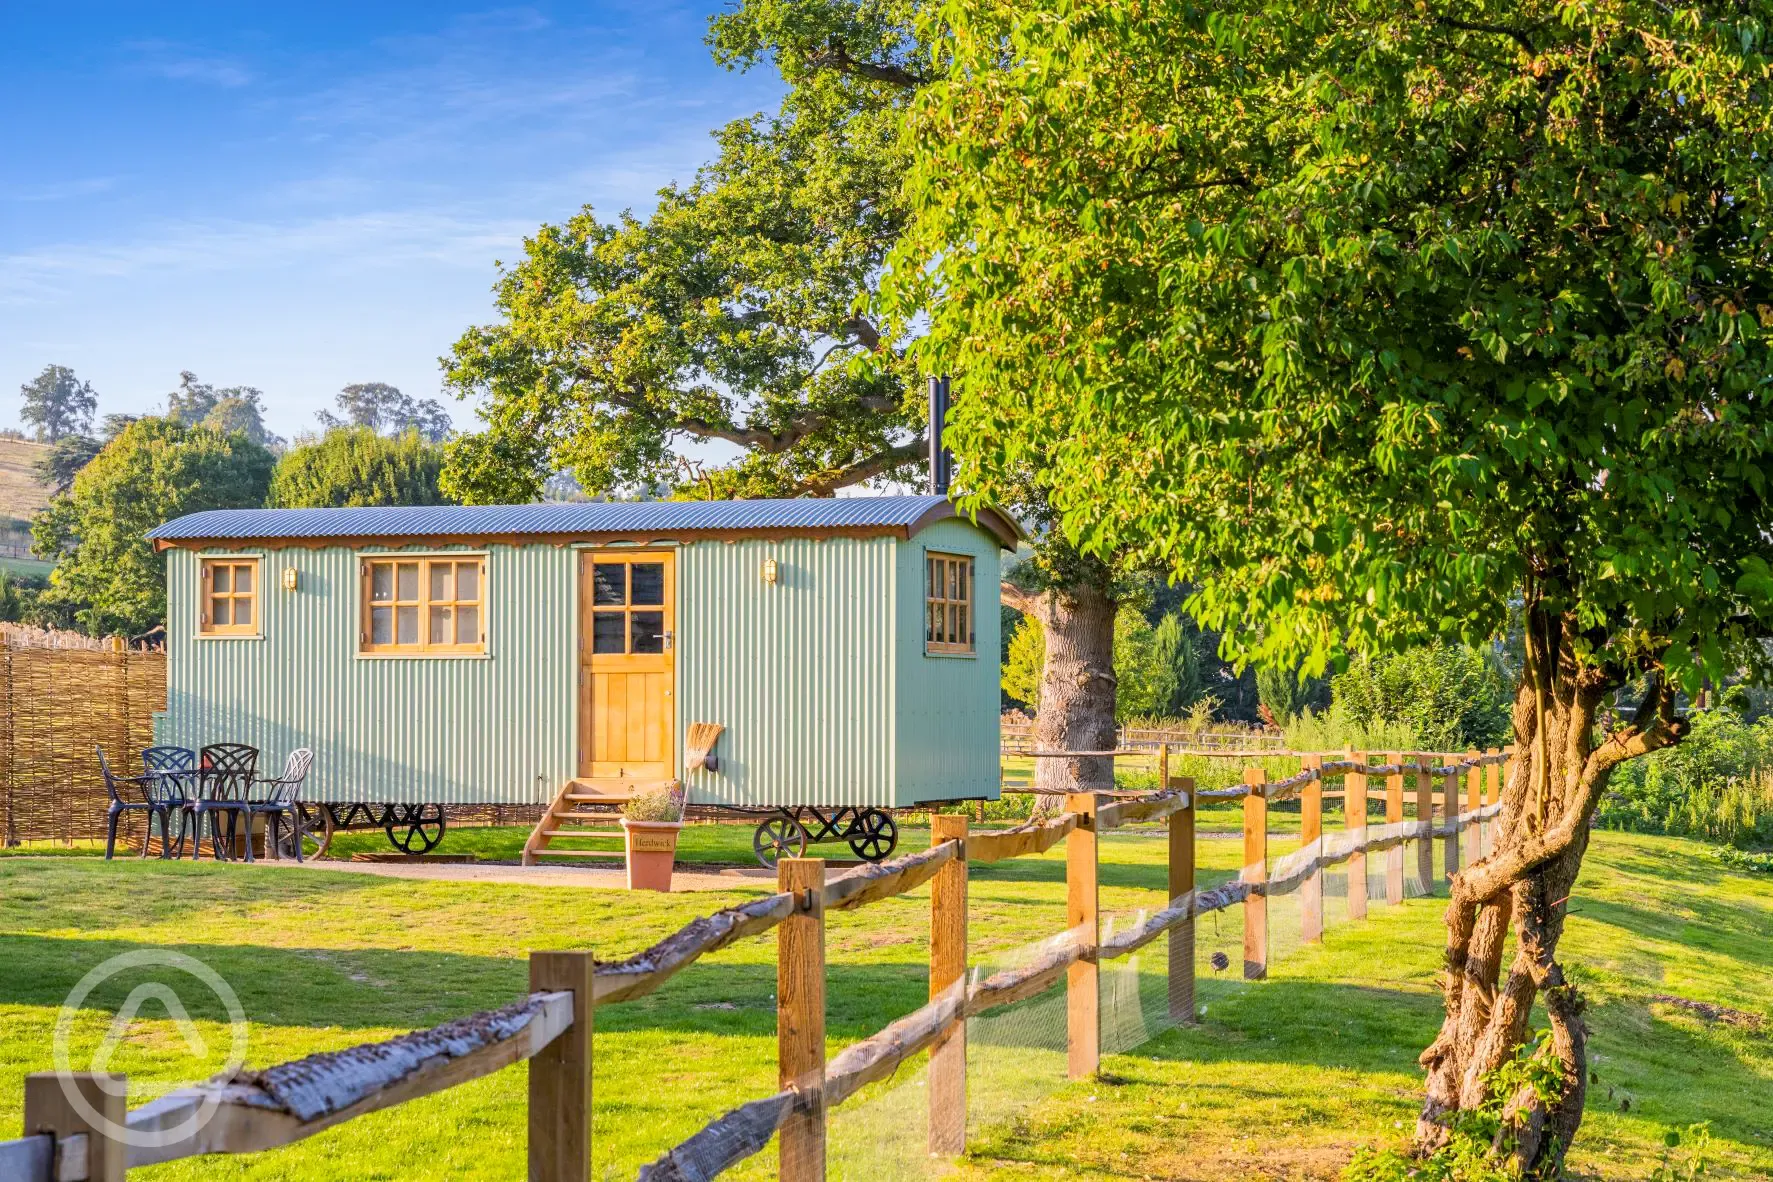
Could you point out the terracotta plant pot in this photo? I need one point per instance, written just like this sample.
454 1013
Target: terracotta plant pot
652 852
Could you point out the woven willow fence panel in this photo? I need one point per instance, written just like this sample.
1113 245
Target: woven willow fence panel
56 704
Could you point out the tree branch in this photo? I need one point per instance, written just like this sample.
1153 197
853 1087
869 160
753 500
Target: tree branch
835 56
1026 602
1518 36
883 462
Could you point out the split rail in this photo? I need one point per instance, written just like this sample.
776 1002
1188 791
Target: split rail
74 1124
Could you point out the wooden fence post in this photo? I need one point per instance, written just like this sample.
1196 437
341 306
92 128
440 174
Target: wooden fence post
1083 1001
1425 820
1394 815
560 1076
1255 870
1450 806
1181 883
800 1020
50 1109
1493 788
1474 800
948 964
1311 832
1354 819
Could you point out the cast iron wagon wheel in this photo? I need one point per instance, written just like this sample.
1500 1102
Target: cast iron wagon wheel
778 838
414 828
873 836
317 831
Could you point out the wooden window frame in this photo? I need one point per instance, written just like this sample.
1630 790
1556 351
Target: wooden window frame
955 608
424 603
208 629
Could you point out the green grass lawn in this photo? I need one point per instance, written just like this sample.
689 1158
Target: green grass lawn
26 566
1282 1080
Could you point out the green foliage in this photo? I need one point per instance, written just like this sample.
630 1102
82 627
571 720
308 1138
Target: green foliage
1023 663
350 466
1287 693
57 404
1450 696
1180 678
225 411
22 601
64 461
1717 784
1358 314
382 407
1478 1142
155 469
732 312
1334 730
1145 678
1138 676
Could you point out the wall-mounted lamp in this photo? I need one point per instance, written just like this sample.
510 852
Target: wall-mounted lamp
289 578
770 570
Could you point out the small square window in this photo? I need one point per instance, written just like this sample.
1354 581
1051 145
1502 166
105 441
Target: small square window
228 600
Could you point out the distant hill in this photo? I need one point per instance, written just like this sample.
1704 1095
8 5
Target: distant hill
22 494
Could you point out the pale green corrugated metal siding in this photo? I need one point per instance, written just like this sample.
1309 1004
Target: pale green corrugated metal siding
947 729
800 673
494 730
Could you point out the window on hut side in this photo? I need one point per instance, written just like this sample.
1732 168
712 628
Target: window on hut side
230 597
424 605
948 596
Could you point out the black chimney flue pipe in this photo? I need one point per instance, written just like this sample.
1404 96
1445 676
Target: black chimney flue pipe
941 460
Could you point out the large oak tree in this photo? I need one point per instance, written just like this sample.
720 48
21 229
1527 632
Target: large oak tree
743 311
1377 319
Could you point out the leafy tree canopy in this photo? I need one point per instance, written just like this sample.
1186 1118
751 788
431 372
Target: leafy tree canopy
351 466
1453 698
1372 318
382 407
107 572
736 311
56 403
223 409
1369 317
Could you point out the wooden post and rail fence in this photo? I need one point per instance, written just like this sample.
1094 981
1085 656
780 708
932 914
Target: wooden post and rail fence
78 1127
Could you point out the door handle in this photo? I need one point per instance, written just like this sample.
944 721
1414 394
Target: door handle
667 637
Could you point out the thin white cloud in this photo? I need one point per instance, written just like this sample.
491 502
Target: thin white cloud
166 59
343 243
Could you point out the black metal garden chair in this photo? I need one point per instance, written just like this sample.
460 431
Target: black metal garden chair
132 794
224 773
175 767
278 801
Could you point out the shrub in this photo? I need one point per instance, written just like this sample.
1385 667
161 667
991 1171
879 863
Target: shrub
1452 697
1715 784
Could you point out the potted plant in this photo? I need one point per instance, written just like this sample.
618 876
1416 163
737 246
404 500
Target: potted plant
651 820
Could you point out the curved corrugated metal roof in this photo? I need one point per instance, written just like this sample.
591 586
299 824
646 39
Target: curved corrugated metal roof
592 518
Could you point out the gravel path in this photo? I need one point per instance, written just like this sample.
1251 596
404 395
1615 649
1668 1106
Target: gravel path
607 878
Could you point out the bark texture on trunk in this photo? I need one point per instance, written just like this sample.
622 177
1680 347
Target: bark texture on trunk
1077 686
1554 783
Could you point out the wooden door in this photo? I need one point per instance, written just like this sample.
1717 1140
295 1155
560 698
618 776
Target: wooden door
627 716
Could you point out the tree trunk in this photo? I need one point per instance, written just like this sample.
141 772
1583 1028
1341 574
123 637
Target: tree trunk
1554 784
1077 686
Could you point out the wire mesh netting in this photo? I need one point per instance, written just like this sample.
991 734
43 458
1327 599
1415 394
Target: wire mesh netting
1020 1057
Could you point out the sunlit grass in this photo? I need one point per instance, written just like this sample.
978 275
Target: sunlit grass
1282 1080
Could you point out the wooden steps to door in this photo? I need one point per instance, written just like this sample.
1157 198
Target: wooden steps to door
574 815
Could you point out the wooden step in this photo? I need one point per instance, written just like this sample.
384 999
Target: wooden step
553 853
559 832
598 797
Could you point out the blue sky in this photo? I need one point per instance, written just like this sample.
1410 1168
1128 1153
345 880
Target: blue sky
298 196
